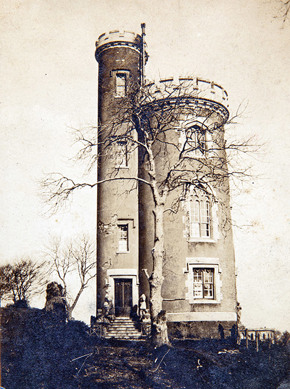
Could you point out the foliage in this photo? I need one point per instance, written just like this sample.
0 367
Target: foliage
21 280
285 338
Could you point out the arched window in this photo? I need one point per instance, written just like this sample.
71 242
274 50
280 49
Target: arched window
195 141
201 213
200 217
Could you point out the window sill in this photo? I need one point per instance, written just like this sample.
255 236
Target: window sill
202 240
202 301
123 252
121 167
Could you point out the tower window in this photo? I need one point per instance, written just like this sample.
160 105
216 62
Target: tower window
123 238
199 215
122 154
203 283
195 142
121 84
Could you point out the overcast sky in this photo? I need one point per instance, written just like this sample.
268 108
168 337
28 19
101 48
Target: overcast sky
49 86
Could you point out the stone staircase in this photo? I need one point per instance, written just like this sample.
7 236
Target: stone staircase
122 328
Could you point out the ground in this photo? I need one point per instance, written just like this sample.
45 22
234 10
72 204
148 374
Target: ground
40 351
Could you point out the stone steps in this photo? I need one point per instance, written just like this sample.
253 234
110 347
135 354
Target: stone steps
122 328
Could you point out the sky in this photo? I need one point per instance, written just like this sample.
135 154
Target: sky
48 79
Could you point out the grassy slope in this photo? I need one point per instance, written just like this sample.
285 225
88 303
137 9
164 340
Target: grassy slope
38 352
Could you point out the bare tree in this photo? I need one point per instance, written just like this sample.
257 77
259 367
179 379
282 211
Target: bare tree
285 9
173 158
21 280
74 257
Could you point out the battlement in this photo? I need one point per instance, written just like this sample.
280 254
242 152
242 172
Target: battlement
188 87
116 36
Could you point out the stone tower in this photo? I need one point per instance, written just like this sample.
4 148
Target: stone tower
119 55
199 289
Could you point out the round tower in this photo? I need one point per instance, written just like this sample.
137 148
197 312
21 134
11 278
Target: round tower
199 287
119 55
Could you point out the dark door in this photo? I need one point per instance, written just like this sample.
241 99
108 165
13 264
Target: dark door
123 296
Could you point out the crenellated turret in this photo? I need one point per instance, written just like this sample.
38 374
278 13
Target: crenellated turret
118 39
193 91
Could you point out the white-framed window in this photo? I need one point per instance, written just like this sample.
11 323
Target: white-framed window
200 217
121 154
201 214
123 238
203 282
121 79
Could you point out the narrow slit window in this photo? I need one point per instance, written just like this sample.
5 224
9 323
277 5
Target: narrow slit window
122 154
121 84
123 243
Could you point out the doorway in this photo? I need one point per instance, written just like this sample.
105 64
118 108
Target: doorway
123 296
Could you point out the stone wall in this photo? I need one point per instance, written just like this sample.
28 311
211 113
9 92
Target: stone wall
202 329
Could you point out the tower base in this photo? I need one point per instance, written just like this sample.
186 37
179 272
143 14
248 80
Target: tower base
202 329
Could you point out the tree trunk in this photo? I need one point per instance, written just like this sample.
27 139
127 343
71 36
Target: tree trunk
158 316
72 306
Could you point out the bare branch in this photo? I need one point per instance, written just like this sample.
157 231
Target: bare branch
175 130
284 9
77 256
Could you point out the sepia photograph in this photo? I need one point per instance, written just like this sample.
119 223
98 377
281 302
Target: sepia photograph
144 200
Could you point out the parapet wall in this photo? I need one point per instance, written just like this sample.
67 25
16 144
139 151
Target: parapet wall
118 37
187 87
